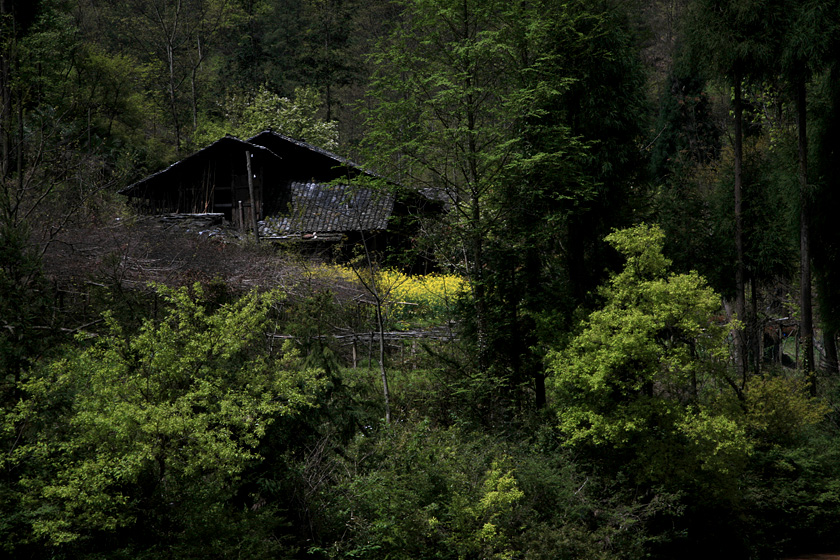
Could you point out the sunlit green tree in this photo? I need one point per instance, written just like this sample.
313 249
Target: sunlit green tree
639 376
646 384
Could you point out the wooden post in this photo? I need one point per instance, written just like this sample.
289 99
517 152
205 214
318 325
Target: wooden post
251 196
241 217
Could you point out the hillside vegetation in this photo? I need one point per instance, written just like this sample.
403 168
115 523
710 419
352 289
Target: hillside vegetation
627 348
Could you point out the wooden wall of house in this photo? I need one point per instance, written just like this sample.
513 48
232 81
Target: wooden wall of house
217 185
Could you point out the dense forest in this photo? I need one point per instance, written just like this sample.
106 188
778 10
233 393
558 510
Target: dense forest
627 348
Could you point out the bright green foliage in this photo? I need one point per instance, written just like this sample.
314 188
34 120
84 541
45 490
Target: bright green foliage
155 428
481 528
246 115
644 371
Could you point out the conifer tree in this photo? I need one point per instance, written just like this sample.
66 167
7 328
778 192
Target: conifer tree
735 41
509 112
805 48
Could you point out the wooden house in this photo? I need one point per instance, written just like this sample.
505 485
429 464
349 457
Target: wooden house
212 180
300 193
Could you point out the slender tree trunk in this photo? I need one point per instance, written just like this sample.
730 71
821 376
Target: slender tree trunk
6 100
19 142
373 290
755 328
830 341
479 292
534 365
380 324
171 37
740 270
539 387
806 327
477 250
477 238
193 83
173 105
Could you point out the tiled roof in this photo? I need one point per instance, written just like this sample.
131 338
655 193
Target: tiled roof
320 207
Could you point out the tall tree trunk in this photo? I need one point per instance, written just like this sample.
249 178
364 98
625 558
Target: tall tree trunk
6 101
194 80
830 342
740 270
477 237
173 104
806 326
756 331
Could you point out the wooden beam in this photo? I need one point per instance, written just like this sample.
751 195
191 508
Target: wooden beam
251 196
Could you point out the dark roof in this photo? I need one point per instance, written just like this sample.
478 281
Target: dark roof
280 144
321 207
271 138
185 165
311 190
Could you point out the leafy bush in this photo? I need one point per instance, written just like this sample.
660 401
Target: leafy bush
149 432
419 491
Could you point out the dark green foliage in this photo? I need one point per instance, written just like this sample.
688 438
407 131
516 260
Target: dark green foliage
509 112
422 491
565 186
686 132
311 321
182 427
826 246
24 305
792 497
287 44
688 202
734 38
